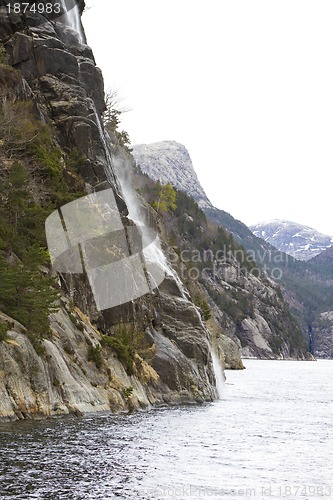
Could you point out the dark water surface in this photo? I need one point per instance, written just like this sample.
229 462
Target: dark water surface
270 436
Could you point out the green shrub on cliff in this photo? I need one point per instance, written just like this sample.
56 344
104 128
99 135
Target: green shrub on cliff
206 312
125 353
61 182
127 341
19 129
95 355
203 305
164 198
26 294
21 219
24 137
9 77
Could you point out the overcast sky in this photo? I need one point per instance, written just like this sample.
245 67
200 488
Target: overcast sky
245 85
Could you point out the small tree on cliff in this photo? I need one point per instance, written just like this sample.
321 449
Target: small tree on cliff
113 111
165 198
112 116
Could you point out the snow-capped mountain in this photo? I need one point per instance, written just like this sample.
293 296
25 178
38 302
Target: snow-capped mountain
170 162
302 242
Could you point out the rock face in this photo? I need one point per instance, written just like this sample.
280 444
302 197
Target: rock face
301 242
169 161
60 75
322 326
251 311
65 380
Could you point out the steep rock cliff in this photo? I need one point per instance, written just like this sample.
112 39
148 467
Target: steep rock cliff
76 371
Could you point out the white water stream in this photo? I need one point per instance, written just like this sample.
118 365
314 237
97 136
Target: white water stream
219 375
72 18
157 264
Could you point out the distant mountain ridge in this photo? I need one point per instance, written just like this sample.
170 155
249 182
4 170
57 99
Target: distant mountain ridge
297 240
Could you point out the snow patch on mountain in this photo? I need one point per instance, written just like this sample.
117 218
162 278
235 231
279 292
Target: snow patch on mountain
297 240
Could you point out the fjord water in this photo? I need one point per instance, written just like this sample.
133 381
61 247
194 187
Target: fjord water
270 436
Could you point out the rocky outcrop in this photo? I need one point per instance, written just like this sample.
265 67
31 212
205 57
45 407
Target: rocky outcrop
65 379
251 311
322 331
227 349
74 372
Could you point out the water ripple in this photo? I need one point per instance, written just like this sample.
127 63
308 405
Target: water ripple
272 428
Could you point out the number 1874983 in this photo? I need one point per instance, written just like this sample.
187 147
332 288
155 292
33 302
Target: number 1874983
34 8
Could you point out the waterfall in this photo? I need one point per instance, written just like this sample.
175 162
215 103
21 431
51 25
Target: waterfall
71 18
104 136
157 264
219 375
155 259
311 338
74 18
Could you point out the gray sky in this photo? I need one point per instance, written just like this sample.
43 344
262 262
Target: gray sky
245 85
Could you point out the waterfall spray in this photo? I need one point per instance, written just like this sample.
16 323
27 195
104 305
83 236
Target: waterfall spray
219 375
72 18
152 251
